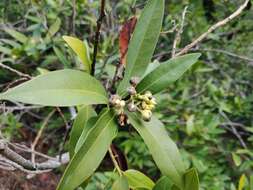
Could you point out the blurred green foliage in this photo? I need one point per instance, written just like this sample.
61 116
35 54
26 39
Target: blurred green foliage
208 112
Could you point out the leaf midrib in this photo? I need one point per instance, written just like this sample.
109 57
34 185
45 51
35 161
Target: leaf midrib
6 94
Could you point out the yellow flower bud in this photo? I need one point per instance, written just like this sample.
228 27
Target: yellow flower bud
148 94
122 103
146 115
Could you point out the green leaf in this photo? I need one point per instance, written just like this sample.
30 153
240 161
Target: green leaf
5 50
167 73
84 114
191 180
237 159
143 42
138 180
163 184
90 123
59 88
17 35
190 126
54 28
251 182
121 184
91 153
81 50
163 149
60 56
242 182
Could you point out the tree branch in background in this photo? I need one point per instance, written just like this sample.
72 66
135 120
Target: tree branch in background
221 51
213 28
10 158
73 16
97 36
178 34
15 71
234 130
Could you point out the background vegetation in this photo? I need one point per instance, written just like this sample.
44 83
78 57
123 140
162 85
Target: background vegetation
208 112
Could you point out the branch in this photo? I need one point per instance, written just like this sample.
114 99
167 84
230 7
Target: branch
15 71
242 57
178 34
18 162
97 36
115 163
213 28
234 130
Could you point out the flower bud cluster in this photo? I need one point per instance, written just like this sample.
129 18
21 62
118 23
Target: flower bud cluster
144 103
117 103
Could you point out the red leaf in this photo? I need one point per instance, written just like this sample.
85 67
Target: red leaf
124 38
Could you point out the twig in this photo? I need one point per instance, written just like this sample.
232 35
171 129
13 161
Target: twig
16 108
73 16
234 130
118 75
15 71
36 140
178 34
27 149
67 129
172 30
97 36
15 82
18 162
213 28
250 60
115 163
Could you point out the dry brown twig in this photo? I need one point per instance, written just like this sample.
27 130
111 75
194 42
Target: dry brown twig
213 28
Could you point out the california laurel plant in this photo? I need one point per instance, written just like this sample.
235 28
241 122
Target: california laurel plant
131 103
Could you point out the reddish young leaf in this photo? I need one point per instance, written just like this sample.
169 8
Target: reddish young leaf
124 38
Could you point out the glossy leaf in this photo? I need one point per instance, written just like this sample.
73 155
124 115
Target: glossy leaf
121 184
191 180
143 42
59 88
138 180
91 153
163 184
80 49
163 149
17 35
84 114
167 73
